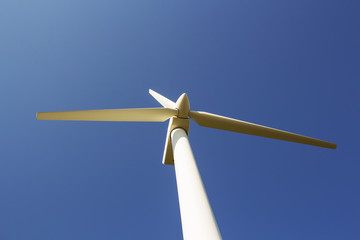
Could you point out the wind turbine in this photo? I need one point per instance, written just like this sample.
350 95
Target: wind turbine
197 218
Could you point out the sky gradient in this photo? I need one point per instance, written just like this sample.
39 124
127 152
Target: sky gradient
291 65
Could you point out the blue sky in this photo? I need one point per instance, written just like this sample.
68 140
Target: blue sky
292 65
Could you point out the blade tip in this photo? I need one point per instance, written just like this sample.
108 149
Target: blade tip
331 145
40 116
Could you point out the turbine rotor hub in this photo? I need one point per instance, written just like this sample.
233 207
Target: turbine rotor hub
183 106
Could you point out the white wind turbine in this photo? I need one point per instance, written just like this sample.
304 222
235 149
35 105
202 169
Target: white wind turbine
197 218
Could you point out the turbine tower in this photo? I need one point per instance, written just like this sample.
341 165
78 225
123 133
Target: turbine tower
197 219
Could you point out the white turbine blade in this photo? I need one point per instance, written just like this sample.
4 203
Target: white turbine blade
224 123
130 115
167 103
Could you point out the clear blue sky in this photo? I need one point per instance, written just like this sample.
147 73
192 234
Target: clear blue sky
292 65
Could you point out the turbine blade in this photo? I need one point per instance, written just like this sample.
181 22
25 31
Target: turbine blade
167 103
224 123
130 115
